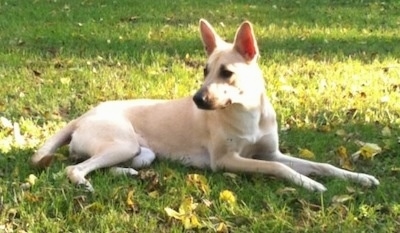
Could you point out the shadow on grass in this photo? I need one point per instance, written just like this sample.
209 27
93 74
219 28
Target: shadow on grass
365 49
71 40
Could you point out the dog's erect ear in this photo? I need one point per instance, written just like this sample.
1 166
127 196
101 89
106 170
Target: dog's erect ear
245 42
209 36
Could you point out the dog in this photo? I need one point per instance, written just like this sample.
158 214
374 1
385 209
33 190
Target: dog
228 124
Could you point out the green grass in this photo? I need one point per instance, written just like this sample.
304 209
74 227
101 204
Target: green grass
329 66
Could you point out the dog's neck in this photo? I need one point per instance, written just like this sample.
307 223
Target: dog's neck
247 120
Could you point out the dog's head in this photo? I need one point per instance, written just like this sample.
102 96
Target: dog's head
232 75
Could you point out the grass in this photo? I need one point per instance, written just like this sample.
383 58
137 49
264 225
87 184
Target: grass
330 66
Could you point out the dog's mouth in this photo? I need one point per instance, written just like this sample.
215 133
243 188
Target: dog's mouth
202 102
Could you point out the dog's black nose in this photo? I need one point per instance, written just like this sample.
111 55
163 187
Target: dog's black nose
202 101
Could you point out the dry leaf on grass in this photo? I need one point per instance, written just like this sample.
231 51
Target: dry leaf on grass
227 196
341 198
386 132
367 150
198 181
186 214
129 200
344 159
222 228
306 154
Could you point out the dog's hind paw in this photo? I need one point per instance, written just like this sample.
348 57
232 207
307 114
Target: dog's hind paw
123 171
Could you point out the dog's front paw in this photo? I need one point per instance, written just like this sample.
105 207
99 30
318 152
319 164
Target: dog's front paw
310 184
367 180
86 186
315 187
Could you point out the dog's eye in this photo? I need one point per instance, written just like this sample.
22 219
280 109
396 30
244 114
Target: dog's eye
224 73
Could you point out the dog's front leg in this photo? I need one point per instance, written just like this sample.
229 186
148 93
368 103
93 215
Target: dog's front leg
235 163
307 167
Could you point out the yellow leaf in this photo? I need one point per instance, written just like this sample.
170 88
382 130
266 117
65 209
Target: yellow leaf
395 169
95 206
31 197
190 222
286 190
222 228
324 128
341 198
31 179
341 133
187 206
154 194
172 213
129 200
230 175
227 196
306 154
369 150
186 215
199 182
344 159
386 132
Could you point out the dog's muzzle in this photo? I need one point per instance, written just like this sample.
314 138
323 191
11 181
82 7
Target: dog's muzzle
202 101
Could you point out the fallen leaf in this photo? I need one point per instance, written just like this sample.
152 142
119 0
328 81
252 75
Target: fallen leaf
395 169
388 143
230 175
341 133
306 154
350 189
286 190
207 202
31 197
222 228
95 206
344 159
187 205
386 132
65 81
186 214
153 194
199 182
172 213
129 200
31 179
341 198
19 139
227 196
367 150
191 222
6 123
324 128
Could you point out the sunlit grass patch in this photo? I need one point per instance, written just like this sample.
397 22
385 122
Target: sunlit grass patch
332 73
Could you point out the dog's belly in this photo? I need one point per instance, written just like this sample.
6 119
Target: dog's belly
195 160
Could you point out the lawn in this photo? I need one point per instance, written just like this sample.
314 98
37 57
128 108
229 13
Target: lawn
333 74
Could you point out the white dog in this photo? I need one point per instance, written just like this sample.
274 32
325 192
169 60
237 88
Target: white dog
228 124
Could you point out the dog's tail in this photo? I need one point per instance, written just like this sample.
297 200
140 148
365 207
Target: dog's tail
44 156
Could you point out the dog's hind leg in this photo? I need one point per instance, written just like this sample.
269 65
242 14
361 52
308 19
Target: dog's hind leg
110 155
307 167
145 158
